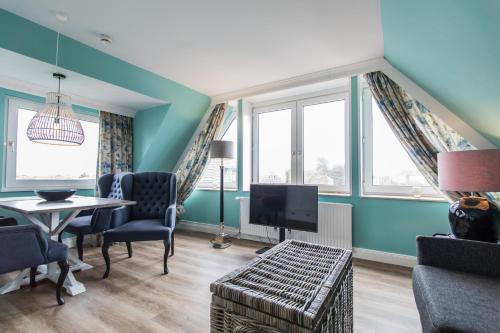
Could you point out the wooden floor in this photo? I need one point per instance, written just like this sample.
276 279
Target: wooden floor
137 297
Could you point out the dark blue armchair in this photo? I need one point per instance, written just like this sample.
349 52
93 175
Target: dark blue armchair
113 186
25 246
151 218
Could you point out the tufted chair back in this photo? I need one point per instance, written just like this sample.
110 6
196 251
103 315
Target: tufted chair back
111 186
116 186
153 192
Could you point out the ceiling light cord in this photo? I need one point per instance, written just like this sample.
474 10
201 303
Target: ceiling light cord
57 50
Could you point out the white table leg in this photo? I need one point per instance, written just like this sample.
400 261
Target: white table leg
16 283
52 224
71 284
76 264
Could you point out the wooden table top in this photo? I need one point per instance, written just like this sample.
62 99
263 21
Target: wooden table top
35 205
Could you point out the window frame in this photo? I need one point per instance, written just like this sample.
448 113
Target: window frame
368 189
10 183
297 104
233 118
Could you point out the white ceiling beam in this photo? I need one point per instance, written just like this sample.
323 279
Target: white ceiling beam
297 81
37 90
377 64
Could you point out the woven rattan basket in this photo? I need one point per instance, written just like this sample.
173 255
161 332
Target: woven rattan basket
295 287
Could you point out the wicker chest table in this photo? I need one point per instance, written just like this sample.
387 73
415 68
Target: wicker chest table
295 287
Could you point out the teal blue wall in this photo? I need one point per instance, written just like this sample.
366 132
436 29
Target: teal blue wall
450 48
161 135
379 224
184 107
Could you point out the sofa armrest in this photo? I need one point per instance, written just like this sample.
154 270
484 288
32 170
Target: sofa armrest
460 255
22 246
119 216
170 216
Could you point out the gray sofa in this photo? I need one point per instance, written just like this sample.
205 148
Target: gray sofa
456 284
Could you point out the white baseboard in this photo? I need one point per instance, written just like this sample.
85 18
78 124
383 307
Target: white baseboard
385 257
361 253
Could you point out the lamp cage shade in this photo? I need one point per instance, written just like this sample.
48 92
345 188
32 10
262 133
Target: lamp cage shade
221 149
469 171
56 123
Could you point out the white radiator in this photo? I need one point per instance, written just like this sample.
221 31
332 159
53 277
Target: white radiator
334 226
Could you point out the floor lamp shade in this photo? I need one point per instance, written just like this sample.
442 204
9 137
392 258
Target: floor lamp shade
472 217
221 149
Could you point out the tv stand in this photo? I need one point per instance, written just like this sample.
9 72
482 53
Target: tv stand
281 239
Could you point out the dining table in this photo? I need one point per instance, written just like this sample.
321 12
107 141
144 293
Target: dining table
53 217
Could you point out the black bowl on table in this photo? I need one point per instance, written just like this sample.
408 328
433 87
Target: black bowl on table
54 195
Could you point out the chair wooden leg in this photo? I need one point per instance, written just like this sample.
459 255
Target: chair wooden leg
165 256
33 276
129 249
79 246
63 265
172 243
105 254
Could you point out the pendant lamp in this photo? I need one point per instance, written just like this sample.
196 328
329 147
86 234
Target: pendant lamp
56 122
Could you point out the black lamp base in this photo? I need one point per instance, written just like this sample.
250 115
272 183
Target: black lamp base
475 218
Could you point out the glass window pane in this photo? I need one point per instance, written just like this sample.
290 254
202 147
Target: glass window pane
47 162
324 143
275 142
211 175
391 164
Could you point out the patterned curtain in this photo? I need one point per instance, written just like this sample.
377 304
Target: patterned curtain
115 143
194 162
421 133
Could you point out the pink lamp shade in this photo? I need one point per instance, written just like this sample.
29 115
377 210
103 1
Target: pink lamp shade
469 171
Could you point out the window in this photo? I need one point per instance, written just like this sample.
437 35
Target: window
30 165
304 141
275 149
211 175
387 168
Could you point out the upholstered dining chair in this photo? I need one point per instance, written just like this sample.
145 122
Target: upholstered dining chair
113 186
151 218
26 246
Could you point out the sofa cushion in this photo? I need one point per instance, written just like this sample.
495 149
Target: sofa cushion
138 230
453 301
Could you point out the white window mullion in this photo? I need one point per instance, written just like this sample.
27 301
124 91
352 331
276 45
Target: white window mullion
367 181
255 148
296 146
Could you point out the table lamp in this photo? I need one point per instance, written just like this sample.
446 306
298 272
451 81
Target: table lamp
221 149
472 217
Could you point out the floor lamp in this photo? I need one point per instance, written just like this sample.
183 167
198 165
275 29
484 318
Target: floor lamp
223 150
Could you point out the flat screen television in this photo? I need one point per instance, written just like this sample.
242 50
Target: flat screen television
284 206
